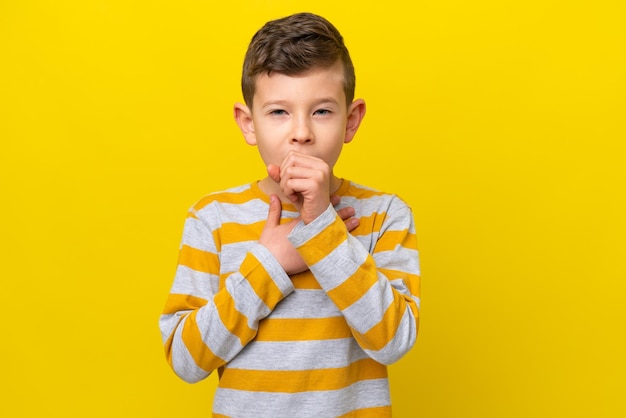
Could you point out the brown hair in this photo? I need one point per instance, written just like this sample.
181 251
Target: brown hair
293 45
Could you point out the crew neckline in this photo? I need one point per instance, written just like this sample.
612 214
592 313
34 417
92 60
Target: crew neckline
256 189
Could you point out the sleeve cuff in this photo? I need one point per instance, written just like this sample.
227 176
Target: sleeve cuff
273 268
302 232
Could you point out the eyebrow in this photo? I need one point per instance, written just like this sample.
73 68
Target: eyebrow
321 101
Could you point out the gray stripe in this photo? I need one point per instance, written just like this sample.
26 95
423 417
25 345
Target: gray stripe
370 309
322 404
182 362
194 283
298 355
306 303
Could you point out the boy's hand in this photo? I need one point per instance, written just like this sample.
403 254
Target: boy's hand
274 235
305 180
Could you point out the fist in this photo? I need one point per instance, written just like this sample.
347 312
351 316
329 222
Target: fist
305 180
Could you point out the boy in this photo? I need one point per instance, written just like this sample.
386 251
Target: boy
300 288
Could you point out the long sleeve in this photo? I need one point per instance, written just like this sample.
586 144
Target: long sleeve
376 289
312 344
205 324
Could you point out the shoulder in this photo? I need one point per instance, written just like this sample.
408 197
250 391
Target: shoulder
244 199
231 195
377 200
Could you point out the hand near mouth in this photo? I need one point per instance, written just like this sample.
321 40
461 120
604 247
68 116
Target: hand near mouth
305 181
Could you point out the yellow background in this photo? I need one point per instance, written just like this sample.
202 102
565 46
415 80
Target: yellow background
501 123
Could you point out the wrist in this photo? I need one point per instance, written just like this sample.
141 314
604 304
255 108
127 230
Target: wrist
310 215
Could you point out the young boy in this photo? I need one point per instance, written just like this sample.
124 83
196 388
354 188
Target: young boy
300 288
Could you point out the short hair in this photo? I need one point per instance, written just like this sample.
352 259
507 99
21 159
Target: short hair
293 45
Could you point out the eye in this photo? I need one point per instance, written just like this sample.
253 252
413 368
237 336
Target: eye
323 112
277 112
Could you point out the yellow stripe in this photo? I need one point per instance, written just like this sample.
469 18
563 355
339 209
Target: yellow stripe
303 329
374 412
200 352
324 243
390 239
413 285
411 281
226 197
302 380
392 274
259 280
362 193
384 331
168 345
232 233
233 320
177 302
305 281
353 288
199 260
369 224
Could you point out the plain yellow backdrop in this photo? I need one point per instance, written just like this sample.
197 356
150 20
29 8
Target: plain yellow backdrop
501 123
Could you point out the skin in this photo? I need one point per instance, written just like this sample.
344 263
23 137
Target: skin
299 125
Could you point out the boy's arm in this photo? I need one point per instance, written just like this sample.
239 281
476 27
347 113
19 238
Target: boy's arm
377 293
203 327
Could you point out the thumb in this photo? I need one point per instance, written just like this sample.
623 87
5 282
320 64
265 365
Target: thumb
274 172
273 214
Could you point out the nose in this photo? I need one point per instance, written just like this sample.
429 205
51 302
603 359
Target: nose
302 132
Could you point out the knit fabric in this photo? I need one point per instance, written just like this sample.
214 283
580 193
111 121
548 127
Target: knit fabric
315 344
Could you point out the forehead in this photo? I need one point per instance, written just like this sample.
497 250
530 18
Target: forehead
327 82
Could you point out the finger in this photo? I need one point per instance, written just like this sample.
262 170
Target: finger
273 214
298 179
351 224
294 159
335 199
274 172
289 192
346 212
346 216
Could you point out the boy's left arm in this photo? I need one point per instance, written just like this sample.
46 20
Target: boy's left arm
377 293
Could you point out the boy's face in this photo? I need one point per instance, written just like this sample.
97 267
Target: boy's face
306 113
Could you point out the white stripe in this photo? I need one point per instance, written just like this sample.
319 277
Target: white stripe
306 303
225 344
232 255
182 362
370 309
399 344
246 300
340 264
363 394
197 235
403 259
168 323
194 283
244 213
367 207
263 355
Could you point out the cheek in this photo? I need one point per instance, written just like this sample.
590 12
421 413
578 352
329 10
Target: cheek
270 154
333 151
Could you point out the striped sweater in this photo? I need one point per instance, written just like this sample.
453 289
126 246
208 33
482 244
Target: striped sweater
315 344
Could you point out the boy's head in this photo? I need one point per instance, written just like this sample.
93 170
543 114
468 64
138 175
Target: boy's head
294 45
299 76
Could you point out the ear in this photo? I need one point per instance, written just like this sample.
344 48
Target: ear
243 117
356 113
